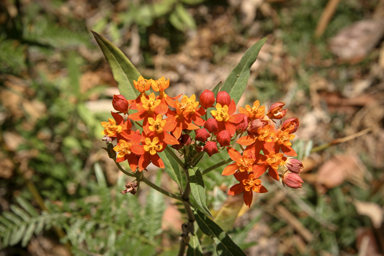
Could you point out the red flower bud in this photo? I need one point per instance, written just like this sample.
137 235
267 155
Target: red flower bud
211 125
276 111
224 138
294 165
223 98
207 98
120 103
243 125
291 124
292 180
211 148
184 139
256 124
202 135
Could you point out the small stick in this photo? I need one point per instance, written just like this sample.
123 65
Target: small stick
325 17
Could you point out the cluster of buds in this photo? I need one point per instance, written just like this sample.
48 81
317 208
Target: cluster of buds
167 120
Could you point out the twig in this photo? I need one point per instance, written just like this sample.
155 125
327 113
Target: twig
341 140
326 17
213 167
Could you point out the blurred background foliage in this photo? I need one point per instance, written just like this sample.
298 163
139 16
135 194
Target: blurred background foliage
55 88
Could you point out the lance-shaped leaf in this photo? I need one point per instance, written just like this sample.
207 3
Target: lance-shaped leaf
224 244
171 167
237 80
194 248
123 70
217 88
198 190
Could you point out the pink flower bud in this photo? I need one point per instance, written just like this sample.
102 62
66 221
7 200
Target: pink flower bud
243 125
211 125
276 111
202 135
184 139
291 124
256 124
120 103
207 98
223 98
211 148
292 180
294 165
224 138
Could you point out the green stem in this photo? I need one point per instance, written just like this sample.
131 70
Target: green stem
170 151
141 177
198 158
213 167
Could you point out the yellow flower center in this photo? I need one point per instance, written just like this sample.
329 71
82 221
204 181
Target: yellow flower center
283 137
250 184
142 84
110 128
152 146
156 125
151 103
256 111
221 113
266 134
124 148
189 105
245 164
275 160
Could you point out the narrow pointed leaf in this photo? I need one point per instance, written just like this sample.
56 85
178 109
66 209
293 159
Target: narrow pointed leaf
237 80
225 245
20 212
27 206
28 234
171 167
198 190
17 235
123 70
194 248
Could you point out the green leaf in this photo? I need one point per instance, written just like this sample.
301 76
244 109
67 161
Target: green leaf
20 212
27 206
198 189
17 235
123 70
6 236
100 176
217 88
28 234
6 222
185 17
225 245
237 80
12 217
171 167
194 248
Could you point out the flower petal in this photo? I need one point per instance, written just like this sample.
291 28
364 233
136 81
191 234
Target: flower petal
234 154
248 196
235 190
230 169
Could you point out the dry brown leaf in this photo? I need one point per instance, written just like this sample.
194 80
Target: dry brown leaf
354 42
366 243
12 140
333 172
372 210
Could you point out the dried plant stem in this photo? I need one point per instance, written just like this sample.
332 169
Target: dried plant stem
341 140
326 17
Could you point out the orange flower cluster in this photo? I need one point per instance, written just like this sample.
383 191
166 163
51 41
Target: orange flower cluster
169 121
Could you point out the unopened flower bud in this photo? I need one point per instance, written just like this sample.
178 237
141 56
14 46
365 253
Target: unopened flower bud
211 125
223 98
224 138
276 111
107 139
294 165
211 148
243 125
291 124
184 139
207 98
110 151
120 103
256 124
202 135
292 180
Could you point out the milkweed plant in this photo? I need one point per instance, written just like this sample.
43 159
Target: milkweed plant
150 126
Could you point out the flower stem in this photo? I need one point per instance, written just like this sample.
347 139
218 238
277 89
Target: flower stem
141 177
213 167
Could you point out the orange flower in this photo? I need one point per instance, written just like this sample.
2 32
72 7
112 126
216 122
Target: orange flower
255 142
249 183
242 163
270 161
283 142
254 112
159 86
148 152
148 108
159 127
117 127
142 85
225 117
124 149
